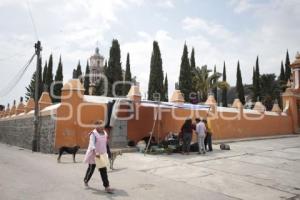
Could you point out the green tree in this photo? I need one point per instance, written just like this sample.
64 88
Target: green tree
193 68
45 76
204 82
74 76
105 67
49 78
156 78
165 97
224 90
79 71
239 85
287 67
256 85
193 62
185 76
215 89
99 88
86 82
58 82
127 76
114 69
281 78
30 89
270 90
282 73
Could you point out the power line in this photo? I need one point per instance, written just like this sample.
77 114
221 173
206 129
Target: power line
8 88
32 20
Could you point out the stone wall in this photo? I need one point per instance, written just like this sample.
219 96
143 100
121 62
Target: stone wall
19 132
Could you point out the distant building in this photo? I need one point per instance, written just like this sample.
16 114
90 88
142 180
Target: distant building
96 68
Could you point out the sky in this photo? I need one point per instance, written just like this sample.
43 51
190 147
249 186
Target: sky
218 30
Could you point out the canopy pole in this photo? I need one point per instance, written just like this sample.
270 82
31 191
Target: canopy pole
153 127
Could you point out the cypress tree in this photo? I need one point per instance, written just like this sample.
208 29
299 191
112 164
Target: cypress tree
287 67
193 74
215 89
193 62
239 85
114 69
166 90
105 68
79 72
58 82
282 81
256 85
257 78
254 96
99 89
30 89
185 77
224 91
128 77
156 78
282 73
49 78
86 82
74 76
45 76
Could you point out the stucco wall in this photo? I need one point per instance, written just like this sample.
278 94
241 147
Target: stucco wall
74 130
224 124
19 132
250 125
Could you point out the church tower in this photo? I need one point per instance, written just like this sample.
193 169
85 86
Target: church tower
96 68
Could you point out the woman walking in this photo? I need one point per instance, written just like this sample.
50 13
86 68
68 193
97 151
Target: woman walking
97 147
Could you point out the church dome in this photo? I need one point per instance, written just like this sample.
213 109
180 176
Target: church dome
97 55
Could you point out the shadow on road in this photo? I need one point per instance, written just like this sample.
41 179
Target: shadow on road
117 192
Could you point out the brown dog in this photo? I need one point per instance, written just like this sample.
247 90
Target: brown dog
114 154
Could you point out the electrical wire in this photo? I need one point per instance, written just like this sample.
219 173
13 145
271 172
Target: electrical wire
8 88
32 20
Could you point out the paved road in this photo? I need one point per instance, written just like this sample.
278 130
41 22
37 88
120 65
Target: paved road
263 169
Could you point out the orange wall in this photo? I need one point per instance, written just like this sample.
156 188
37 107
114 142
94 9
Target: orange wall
222 129
242 128
71 132
74 131
142 124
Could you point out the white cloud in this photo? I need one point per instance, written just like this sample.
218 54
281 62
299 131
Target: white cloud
72 29
65 27
165 3
241 5
208 27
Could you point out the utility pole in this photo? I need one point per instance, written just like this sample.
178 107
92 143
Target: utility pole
36 136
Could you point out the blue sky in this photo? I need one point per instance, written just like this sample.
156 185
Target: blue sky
219 31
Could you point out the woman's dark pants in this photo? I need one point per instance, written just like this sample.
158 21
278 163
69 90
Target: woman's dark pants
103 172
187 138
